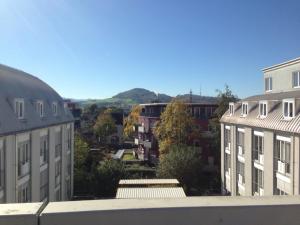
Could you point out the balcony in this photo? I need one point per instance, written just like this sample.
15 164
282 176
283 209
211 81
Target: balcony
23 169
227 148
138 141
141 129
147 144
198 211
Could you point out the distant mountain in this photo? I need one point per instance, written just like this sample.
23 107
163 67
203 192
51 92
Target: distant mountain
140 95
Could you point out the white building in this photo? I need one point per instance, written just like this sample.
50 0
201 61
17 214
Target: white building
260 150
36 140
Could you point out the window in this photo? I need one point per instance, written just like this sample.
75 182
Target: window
240 141
283 155
2 165
258 182
43 150
24 193
263 109
296 79
57 173
288 109
240 173
258 148
54 108
244 109
69 139
40 108
44 185
19 108
268 84
231 109
23 158
58 146
227 137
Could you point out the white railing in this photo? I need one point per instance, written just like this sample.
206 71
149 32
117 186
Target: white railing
281 167
240 179
261 192
261 159
227 148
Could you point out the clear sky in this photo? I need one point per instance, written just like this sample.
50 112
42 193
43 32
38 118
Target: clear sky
97 48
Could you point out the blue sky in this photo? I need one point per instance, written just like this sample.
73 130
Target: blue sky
95 49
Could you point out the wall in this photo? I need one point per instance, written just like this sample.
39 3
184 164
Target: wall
282 78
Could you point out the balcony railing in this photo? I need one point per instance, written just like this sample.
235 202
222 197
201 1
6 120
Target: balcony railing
198 211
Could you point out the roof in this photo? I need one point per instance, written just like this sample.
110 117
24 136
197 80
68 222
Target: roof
274 119
146 193
191 104
18 84
281 65
148 181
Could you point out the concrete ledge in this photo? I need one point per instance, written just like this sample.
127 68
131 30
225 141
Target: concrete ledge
190 211
20 214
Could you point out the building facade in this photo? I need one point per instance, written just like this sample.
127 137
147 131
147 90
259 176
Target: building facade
260 137
36 140
147 144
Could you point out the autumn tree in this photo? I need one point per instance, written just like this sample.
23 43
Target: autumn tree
105 125
176 126
131 120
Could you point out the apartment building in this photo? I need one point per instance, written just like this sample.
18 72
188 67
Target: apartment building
146 141
36 140
260 137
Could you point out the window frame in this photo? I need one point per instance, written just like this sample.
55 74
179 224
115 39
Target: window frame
268 84
231 108
40 108
55 108
19 111
263 104
296 74
245 109
288 102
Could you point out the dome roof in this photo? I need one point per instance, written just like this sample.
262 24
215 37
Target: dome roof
16 84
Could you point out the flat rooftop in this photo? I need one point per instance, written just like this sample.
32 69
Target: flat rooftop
150 193
148 181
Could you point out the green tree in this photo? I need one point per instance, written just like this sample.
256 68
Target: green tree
182 163
107 177
131 121
81 176
224 98
176 126
105 125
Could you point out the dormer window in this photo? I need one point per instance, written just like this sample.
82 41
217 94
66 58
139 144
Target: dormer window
288 109
263 106
268 84
296 79
231 109
40 108
19 108
244 109
54 108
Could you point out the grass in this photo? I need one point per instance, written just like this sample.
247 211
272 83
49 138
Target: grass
128 157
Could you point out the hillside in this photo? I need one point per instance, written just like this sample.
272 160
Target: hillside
140 95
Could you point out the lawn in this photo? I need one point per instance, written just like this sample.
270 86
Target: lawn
128 157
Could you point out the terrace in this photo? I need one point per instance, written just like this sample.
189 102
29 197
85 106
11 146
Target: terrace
278 210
